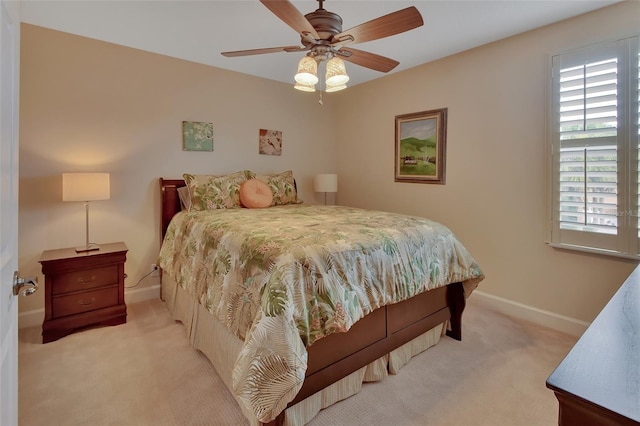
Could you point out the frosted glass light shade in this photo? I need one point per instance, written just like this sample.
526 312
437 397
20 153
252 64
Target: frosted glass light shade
336 74
331 88
85 186
325 183
305 87
307 71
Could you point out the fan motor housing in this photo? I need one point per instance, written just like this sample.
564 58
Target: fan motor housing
326 23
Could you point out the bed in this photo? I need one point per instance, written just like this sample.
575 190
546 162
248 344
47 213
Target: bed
289 375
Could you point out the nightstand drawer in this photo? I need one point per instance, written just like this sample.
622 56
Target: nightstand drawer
84 301
83 280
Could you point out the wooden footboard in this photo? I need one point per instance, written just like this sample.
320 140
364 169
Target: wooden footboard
338 355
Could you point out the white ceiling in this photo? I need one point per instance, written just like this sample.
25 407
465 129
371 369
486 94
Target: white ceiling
199 30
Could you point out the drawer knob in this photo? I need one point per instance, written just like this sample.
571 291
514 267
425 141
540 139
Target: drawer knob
81 302
82 280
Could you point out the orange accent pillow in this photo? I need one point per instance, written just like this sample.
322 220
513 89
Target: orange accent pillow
255 194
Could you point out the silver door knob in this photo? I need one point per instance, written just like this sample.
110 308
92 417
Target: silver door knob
24 286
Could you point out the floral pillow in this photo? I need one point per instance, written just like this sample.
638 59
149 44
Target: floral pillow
283 187
210 192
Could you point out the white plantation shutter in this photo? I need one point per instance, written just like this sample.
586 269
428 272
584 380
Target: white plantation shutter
588 188
595 189
588 99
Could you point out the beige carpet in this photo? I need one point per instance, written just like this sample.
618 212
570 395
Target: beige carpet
145 373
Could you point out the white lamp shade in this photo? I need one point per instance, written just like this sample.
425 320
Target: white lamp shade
331 88
85 186
325 183
336 74
307 71
305 87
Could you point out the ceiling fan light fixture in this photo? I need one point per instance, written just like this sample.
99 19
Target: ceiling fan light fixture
307 71
322 36
305 87
336 74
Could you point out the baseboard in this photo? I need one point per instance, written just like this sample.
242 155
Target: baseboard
31 318
134 295
35 317
541 317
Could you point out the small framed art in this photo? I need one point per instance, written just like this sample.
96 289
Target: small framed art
420 147
270 142
197 136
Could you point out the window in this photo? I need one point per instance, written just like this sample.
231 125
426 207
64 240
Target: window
594 145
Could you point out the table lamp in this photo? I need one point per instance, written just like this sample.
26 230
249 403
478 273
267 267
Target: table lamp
325 183
85 187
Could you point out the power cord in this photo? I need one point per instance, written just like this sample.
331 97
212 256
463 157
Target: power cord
141 279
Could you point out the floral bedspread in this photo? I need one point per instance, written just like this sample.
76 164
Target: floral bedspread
283 277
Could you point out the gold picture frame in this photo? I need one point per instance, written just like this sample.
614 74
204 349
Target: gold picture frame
420 147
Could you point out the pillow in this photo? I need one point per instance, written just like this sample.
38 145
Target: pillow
209 192
185 198
255 194
283 187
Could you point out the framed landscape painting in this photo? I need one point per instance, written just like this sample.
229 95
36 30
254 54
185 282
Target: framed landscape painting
420 146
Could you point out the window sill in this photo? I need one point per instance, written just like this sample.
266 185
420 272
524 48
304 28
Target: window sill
591 250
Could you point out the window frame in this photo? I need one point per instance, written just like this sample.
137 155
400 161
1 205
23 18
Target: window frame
626 242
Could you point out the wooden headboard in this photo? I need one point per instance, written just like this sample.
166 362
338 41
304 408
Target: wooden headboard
170 201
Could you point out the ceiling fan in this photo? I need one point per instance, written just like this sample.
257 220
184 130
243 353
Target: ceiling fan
322 36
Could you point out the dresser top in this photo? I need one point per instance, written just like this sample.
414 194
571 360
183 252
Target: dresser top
70 253
603 368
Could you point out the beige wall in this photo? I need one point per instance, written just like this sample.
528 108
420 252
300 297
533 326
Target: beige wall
93 106
88 105
494 197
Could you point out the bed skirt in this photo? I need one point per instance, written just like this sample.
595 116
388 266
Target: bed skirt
222 347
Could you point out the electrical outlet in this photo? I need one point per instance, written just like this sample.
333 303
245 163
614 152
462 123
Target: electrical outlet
155 270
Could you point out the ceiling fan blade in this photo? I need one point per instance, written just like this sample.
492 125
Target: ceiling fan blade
384 26
291 16
367 59
262 51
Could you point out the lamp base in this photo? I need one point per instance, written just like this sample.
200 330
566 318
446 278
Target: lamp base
89 247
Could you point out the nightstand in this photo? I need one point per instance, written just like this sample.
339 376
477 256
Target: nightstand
83 289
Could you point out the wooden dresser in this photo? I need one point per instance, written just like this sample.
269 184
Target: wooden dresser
83 289
598 383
